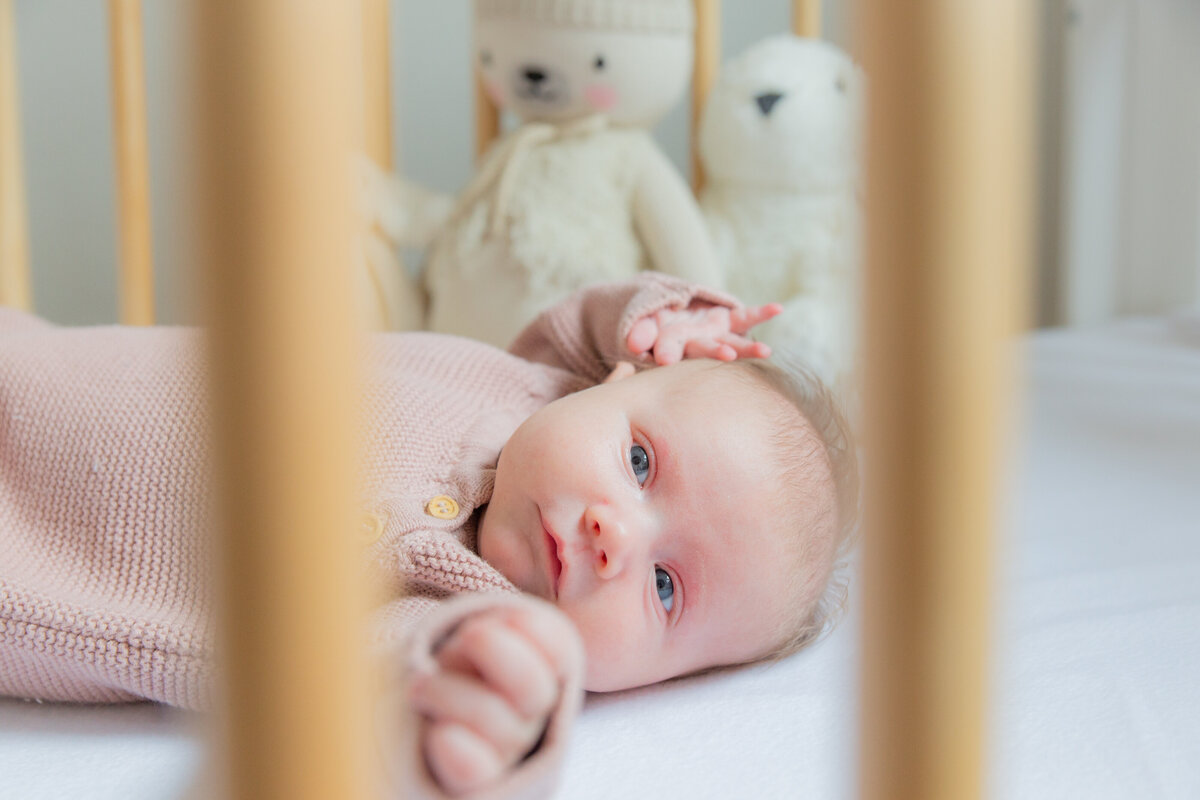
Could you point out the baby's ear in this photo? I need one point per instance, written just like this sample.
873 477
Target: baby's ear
623 369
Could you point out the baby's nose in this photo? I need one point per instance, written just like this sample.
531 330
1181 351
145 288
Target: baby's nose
610 540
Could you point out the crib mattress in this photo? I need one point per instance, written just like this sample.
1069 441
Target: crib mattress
1097 646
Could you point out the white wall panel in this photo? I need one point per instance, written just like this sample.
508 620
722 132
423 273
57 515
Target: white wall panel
1158 254
1097 51
1131 140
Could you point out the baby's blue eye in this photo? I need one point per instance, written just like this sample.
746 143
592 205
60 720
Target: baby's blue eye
640 462
665 587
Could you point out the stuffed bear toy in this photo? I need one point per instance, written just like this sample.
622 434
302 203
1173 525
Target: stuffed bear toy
578 192
779 140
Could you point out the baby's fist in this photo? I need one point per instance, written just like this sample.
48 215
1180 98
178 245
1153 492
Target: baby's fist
498 677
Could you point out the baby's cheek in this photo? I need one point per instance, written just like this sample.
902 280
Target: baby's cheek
600 96
614 656
605 667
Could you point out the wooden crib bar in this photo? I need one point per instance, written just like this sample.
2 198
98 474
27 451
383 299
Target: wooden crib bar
948 207
487 115
806 18
377 81
276 93
15 286
706 63
132 158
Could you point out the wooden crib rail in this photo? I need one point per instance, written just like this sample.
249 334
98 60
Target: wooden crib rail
806 18
132 159
377 82
706 62
276 93
949 193
132 167
15 285
487 115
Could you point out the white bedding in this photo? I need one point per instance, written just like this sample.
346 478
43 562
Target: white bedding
1097 668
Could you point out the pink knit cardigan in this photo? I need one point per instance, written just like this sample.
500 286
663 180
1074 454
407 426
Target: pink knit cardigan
105 586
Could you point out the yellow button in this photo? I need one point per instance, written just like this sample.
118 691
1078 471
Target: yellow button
370 528
442 507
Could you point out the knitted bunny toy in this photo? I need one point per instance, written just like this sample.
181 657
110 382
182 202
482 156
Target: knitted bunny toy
578 193
779 139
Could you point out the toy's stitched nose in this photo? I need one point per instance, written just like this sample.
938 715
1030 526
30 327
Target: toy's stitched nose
766 101
534 75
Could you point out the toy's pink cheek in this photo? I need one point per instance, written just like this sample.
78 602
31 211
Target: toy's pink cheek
493 91
600 97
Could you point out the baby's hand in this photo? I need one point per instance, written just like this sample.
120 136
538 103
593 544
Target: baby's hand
701 330
498 677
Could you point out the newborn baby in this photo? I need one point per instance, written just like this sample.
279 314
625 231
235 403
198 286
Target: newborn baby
557 517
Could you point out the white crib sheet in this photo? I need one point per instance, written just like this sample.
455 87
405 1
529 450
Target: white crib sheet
1097 670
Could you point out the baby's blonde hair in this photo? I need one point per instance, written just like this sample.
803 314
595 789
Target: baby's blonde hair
812 408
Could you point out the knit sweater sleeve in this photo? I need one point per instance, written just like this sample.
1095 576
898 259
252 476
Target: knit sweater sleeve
585 334
407 635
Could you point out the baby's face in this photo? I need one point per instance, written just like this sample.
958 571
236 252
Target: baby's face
645 509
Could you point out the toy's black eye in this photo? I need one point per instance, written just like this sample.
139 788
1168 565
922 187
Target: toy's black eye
598 63
485 58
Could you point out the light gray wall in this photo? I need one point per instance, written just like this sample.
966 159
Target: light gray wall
67 137
67 129
1129 242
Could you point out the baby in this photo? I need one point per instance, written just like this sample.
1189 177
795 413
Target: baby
670 520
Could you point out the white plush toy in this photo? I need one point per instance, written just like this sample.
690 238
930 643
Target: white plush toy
578 192
394 214
779 140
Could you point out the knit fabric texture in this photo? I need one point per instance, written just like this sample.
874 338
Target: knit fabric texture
105 509
647 16
569 221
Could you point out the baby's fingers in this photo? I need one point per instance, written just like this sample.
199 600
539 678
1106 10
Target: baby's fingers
451 697
745 348
554 636
642 335
671 345
710 348
745 318
505 662
727 348
460 759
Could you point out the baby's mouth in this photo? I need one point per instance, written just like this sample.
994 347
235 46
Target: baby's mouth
553 560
